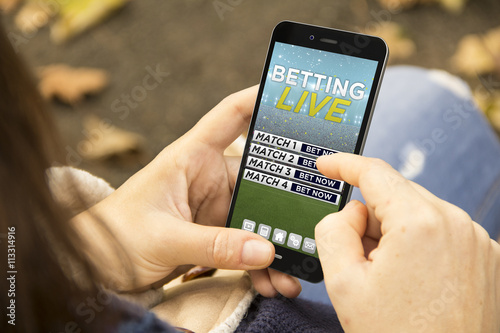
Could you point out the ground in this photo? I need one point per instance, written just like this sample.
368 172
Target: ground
209 54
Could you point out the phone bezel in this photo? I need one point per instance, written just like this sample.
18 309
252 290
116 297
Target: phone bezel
299 34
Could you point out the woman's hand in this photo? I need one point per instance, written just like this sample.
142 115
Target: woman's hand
406 261
152 214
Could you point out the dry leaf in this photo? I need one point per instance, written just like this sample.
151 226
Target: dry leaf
69 84
478 54
400 47
492 43
105 140
489 103
78 15
34 15
454 6
494 114
472 57
8 5
74 16
482 101
397 5
493 111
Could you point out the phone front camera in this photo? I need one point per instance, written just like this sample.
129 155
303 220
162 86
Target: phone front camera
311 37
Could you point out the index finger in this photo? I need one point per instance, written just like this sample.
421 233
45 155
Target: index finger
381 186
226 121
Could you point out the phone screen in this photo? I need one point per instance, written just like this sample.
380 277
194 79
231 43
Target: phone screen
312 102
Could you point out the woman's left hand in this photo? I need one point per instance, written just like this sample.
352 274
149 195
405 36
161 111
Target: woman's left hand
152 214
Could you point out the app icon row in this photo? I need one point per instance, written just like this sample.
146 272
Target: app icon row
279 236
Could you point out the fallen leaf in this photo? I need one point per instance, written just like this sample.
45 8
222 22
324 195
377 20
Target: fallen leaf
453 6
492 43
494 114
75 16
106 140
472 58
400 46
482 100
397 5
488 101
8 5
70 84
34 15
478 54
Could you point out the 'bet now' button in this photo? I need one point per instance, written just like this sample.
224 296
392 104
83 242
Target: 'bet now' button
315 193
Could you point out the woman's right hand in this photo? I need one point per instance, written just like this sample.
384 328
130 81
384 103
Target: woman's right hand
406 261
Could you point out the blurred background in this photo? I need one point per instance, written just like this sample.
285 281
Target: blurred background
142 73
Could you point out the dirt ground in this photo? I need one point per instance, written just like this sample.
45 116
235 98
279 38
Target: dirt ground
208 55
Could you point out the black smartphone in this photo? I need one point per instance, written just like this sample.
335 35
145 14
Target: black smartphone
316 97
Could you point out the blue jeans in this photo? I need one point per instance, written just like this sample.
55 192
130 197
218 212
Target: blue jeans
428 128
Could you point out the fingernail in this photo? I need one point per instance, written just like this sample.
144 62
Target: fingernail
256 253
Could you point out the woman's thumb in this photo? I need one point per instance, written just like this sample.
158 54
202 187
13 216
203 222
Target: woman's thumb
223 248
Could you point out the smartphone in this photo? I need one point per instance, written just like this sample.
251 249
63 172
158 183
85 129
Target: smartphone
316 97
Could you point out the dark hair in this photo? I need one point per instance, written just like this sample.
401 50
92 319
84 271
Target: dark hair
45 295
